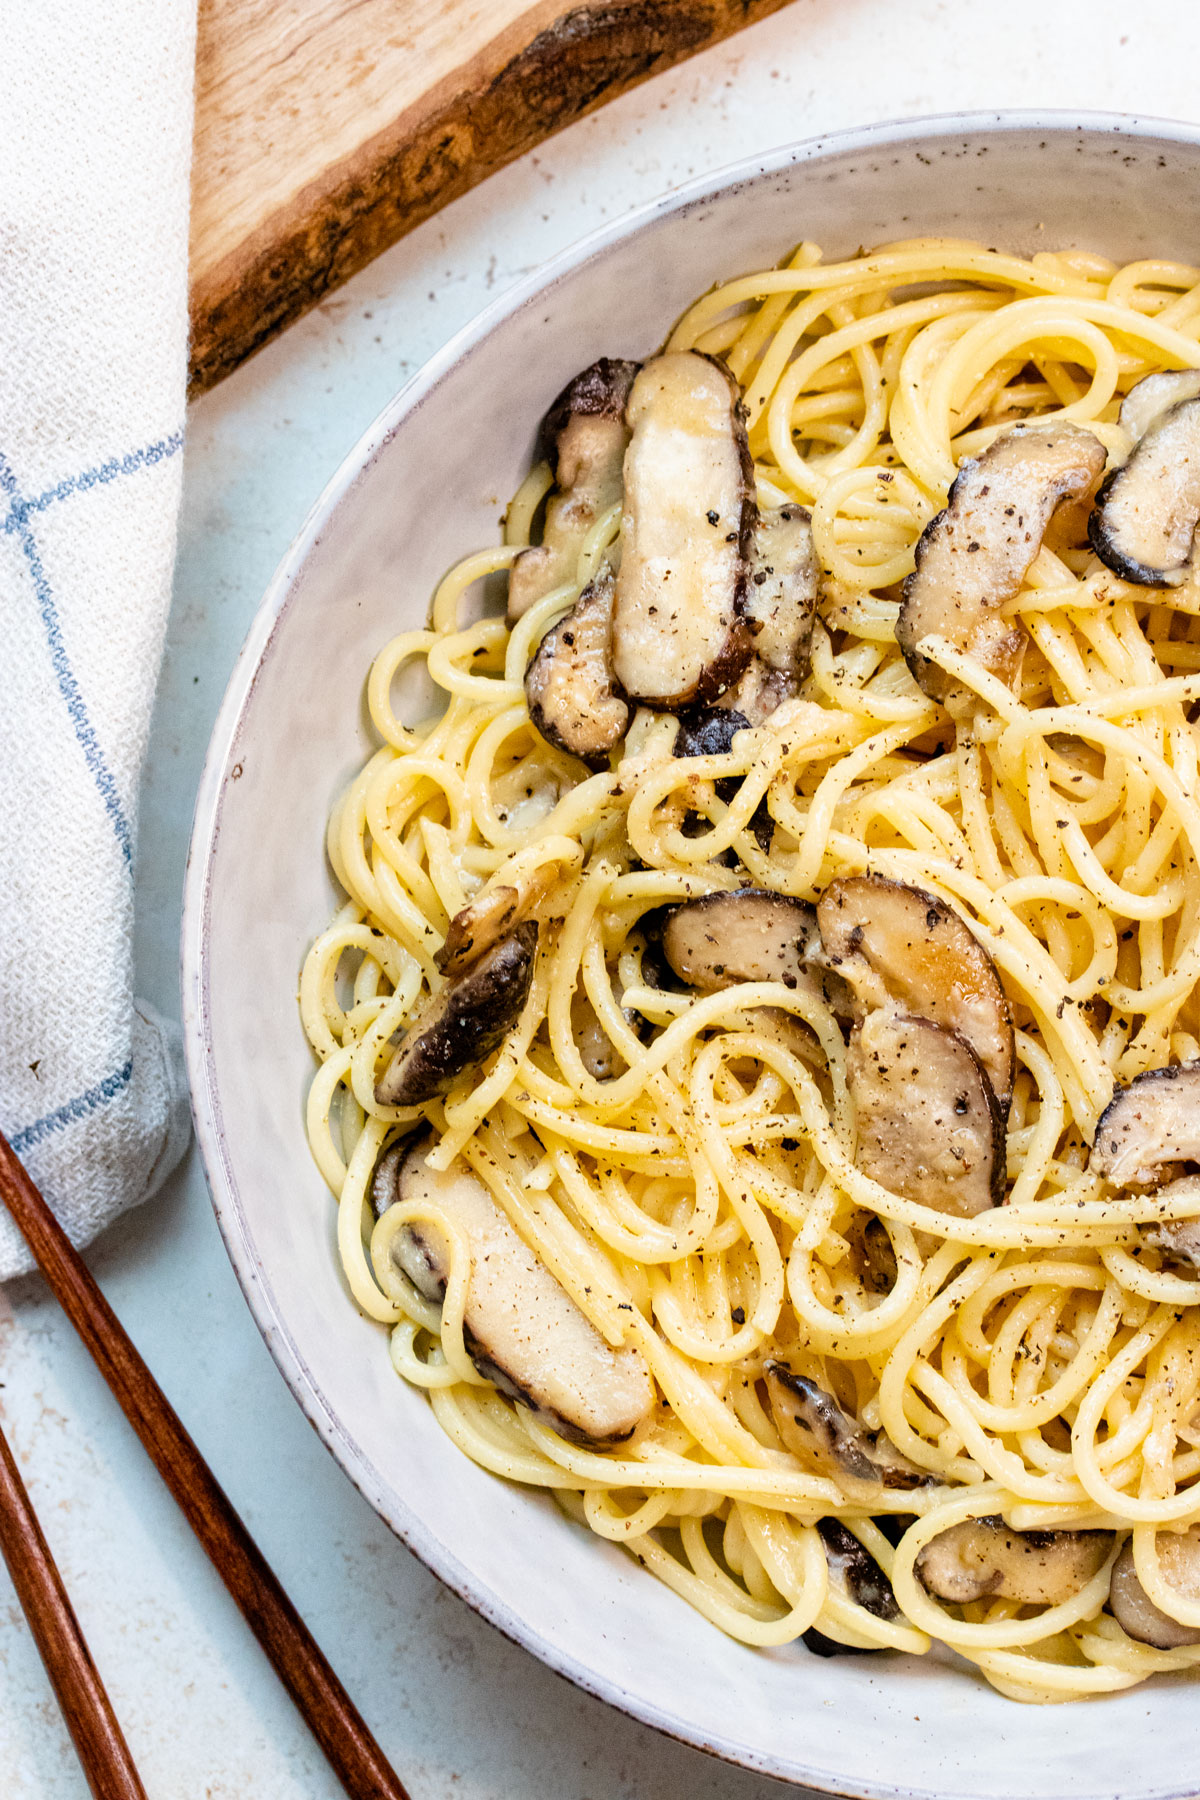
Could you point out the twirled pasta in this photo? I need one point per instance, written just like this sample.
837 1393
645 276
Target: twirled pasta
1037 1360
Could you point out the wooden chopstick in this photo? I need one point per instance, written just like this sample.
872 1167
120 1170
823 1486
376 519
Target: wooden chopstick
103 1753
324 1704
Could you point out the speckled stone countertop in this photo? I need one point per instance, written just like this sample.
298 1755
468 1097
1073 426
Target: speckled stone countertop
461 1712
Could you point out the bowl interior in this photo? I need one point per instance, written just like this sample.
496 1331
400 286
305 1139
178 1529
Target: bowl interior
428 484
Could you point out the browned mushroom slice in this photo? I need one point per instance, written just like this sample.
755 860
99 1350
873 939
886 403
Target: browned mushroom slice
492 914
922 954
751 935
1147 509
710 731
972 558
828 1442
854 1572
1148 1126
780 599
878 1258
782 591
1154 395
1177 1239
853 1569
757 692
462 1023
383 1191
929 1126
584 437
678 631
984 1557
522 1329
569 683
1132 1607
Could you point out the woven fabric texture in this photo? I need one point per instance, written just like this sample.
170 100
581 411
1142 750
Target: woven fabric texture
95 147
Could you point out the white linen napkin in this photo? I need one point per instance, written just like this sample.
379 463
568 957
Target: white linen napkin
95 150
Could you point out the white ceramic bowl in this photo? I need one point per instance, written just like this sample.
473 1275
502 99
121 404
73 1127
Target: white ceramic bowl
425 485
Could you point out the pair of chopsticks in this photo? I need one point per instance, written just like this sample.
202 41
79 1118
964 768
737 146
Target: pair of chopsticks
324 1704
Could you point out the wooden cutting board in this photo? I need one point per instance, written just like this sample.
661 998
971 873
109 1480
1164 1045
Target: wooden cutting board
326 129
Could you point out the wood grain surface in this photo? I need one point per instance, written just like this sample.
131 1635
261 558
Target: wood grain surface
326 129
323 1703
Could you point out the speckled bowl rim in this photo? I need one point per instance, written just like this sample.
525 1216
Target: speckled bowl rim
253 1278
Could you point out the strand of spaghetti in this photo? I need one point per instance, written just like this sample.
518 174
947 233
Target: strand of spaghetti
849 337
1005 1467
1051 1401
1020 323
834 783
671 1102
1159 1591
762 325
1154 1284
1083 1435
1022 1677
351 1211
449 594
522 508
883 270
783 1629
398 1290
404 648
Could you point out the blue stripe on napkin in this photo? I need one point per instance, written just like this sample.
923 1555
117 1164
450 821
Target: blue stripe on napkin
88 1102
17 521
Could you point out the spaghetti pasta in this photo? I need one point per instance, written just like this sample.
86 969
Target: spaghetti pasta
701 1199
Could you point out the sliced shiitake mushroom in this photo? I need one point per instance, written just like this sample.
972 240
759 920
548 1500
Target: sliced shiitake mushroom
521 1327
855 1570
878 1258
383 1190
597 1051
972 558
750 935
827 1441
758 690
1154 395
462 1023
984 1557
1148 1126
569 682
499 905
1146 511
584 437
893 941
780 600
929 1126
855 1573
710 731
678 632
1132 1607
1178 1240
782 591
